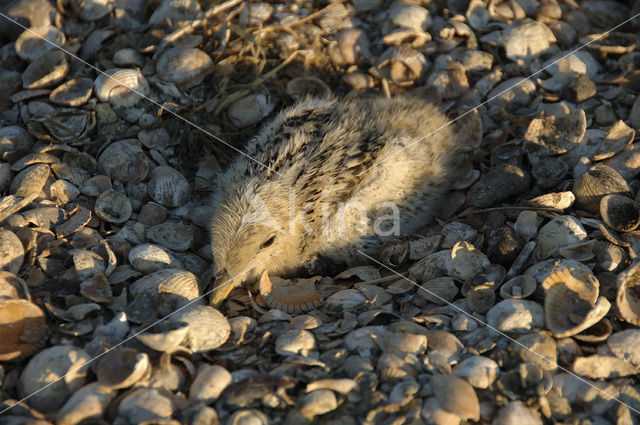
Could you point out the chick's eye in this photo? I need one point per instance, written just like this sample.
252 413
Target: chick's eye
268 242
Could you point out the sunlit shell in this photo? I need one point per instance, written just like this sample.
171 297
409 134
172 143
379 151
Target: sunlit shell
616 43
11 286
583 251
625 345
121 87
408 15
571 302
11 251
628 298
123 367
516 315
308 86
86 403
351 46
23 327
596 333
113 207
537 348
561 231
208 328
30 180
527 39
466 261
602 367
168 187
148 258
395 365
248 416
559 200
620 212
250 109
479 371
164 336
599 181
318 402
401 65
183 65
91 10
481 298
619 137
52 375
46 70
36 41
359 81
456 396
210 382
289 296
556 135
74 92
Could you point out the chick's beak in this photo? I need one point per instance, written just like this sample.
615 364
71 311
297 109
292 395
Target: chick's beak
222 286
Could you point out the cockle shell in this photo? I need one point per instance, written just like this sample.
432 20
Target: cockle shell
288 296
571 302
23 329
599 181
123 367
518 287
121 87
401 65
168 187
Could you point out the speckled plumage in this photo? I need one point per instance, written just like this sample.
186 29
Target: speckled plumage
324 154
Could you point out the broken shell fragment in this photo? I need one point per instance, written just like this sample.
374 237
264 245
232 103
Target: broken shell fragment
46 70
551 135
619 212
74 92
571 302
123 367
599 181
121 87
289 296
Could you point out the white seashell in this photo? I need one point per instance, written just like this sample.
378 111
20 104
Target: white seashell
479 371
88 402
40 378
113 207
148 258
359 81
175 11
516 316
558 233
552 135
183 65
250 109
247 417
466 261
518 287
121 87
625 345
517 413
603 367
87 263
346 300
11 251
295 342
526 225
173 236
208 328
46 70
318 402
597 182
164 336
401 65
74 92
210 382
537 348
527 40
91 10
168 187
571 302
255 14
394 365
407 37
558 200
456 396
408 15
440 290
351 46
30 45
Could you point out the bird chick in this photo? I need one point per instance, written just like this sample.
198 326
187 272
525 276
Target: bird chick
338 176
